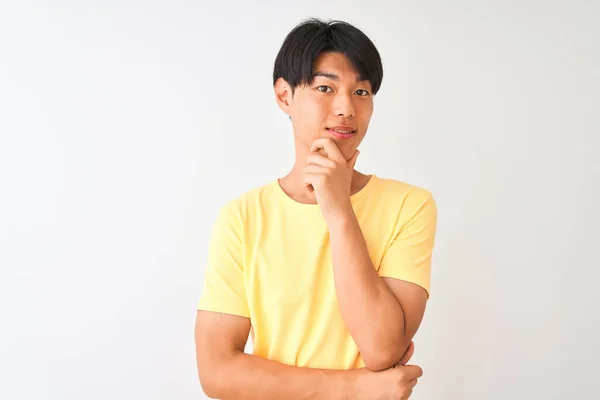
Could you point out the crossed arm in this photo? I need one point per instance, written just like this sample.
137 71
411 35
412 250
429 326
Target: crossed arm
227 373
381 314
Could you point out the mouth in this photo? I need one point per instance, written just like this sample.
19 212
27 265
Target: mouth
342 132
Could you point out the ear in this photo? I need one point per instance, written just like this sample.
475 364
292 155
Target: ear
283 95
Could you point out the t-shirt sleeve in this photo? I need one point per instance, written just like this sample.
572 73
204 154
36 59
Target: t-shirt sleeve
408 257
224 290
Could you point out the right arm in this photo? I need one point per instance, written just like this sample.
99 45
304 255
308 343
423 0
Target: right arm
227 373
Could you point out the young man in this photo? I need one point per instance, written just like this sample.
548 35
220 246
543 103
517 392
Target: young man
327 268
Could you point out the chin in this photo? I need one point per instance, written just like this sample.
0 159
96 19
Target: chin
347 150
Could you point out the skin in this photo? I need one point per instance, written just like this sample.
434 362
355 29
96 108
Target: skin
324 174
227 373
325 103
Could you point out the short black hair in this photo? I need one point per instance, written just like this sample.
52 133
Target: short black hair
295 60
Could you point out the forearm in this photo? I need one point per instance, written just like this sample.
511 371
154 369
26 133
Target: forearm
370 310
249 377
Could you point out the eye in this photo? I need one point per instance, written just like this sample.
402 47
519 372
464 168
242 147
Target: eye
324 89
364 92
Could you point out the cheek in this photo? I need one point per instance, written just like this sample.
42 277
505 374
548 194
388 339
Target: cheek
315 109
365 113
312 115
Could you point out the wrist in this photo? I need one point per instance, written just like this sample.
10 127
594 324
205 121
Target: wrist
343 218
348 384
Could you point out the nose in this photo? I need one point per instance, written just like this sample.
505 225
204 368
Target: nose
343 106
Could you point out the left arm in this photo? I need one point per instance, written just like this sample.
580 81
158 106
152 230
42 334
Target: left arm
381 314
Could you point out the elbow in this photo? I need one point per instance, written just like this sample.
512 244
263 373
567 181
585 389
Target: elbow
210 393
379 362
211 379
209 385
215 375
212 388
380 359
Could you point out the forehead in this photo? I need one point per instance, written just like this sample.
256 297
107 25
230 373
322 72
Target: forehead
336 63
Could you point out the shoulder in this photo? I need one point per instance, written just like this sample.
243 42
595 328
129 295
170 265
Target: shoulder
240 205
401 193
409 205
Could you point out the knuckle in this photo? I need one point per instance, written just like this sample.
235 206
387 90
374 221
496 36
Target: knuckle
401 374
401 394
405 392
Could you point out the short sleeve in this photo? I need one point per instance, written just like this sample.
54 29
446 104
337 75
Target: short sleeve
224 289
408 257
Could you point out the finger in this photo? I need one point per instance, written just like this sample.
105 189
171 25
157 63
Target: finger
312 179
321 152
333 152
407 354
317 159
412 371
316 169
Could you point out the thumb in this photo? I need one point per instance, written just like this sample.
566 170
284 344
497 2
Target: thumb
407 354
352 161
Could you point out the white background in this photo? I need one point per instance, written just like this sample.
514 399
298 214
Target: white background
126 124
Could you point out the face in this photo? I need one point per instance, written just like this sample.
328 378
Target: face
335 103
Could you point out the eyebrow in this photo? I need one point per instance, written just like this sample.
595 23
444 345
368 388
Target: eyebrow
334 77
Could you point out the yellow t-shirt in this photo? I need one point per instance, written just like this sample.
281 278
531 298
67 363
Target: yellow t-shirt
270 260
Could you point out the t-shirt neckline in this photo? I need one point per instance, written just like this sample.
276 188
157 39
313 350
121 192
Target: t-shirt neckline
354 197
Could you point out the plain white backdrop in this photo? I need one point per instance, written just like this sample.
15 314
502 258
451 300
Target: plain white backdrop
125 125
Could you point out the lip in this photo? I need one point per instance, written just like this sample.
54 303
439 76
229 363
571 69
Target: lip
342 128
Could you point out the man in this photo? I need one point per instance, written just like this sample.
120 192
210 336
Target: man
327 268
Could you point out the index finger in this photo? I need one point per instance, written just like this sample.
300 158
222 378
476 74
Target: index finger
333 152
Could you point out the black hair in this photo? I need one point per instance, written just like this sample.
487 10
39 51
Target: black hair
295 60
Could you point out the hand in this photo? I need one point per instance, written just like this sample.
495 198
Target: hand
330 176
407 354
390 384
